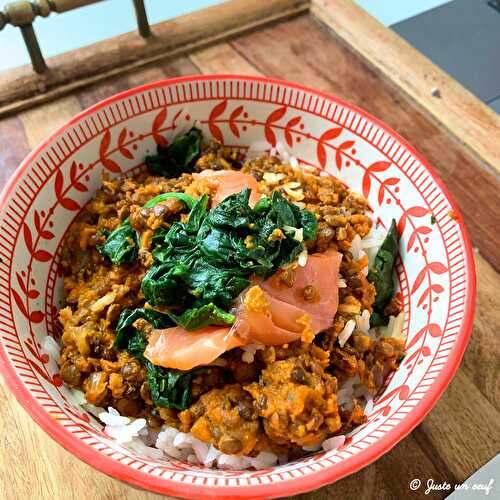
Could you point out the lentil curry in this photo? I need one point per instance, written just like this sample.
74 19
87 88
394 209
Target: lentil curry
126 293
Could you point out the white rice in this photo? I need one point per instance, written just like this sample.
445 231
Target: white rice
363 321
249 352
357 251
357 248
345 392
346 332
395 327
51 347
344 396
184 446
256 150
285 155
369 405
113 418
169 443
372 242
294 163
283 152
122 429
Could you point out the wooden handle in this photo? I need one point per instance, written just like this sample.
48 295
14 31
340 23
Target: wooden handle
20 13
23 12
65 5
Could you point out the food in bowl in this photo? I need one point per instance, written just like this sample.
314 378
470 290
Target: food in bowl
228 310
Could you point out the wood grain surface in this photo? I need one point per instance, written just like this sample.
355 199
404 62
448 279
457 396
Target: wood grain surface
21 88
462 432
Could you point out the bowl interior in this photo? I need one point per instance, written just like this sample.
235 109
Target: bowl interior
435 277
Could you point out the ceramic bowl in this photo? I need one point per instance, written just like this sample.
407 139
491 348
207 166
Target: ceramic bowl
435 273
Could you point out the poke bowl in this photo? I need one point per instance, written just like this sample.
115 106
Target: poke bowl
288 138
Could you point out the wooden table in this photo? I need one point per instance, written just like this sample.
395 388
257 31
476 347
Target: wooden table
335 47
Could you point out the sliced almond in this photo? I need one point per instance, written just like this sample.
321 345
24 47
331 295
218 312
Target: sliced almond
297 195
272 178
291 185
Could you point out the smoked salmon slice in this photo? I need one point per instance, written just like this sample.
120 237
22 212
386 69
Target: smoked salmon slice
314 288
180 349
228 182
271 313
266 320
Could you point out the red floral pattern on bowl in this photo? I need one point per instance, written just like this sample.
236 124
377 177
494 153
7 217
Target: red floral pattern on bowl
435 273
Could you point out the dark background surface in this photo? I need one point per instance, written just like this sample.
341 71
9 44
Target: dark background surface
463 37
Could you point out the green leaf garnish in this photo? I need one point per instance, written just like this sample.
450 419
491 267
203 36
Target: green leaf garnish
121 244
381 275
177 158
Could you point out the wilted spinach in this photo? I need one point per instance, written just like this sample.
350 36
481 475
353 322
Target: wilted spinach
136 345
188 200
121 244
170 388
177 158
199 317
209 258
381 275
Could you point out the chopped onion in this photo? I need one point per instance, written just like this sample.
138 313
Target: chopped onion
346 332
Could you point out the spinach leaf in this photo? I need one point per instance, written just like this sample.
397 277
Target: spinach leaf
252 240
136 346
232 212
381 275
170 388
188 200
197 215
307 220
177 158
124 329
214 284
180 285
162 285
262 205
180 239
121 244
205 315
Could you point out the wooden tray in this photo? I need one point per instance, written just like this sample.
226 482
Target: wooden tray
336 47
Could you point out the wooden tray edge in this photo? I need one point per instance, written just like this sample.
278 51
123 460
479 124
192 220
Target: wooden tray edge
451 105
